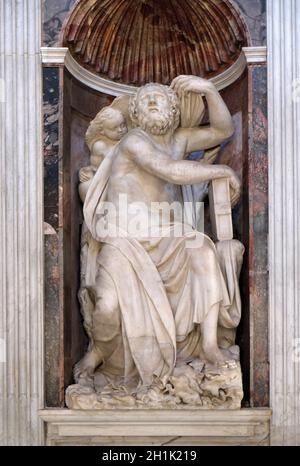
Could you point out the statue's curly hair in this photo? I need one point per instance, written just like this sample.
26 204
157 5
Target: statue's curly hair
95 129
172 96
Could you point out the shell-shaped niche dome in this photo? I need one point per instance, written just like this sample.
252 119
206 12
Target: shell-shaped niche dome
138 41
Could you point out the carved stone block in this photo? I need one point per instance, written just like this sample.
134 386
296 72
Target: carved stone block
220 209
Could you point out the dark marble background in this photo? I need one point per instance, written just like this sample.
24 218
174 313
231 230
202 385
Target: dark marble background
52 244
258 235
55 12
51 144
254 12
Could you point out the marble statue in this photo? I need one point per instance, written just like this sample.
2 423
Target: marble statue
104 132
160 301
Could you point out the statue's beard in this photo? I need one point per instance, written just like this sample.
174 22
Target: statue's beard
157 123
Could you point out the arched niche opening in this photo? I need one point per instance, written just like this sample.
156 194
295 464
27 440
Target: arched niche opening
79 105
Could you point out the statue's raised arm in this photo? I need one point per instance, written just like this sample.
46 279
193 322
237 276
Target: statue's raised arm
220 127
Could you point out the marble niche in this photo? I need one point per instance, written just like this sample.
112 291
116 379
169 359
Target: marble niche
160 301
66 154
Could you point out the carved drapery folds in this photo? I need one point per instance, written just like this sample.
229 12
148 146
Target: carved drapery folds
138 41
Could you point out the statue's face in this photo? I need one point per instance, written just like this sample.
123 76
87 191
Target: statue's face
153 100
154 110
115 128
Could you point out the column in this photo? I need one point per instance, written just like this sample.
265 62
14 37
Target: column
283 23
21 224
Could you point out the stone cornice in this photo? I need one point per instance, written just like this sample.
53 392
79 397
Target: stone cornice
61 55
54 55
255 55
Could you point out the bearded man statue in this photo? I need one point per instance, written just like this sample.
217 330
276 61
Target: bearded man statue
159 299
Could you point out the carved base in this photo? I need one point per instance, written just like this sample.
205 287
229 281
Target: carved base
196 384
157 427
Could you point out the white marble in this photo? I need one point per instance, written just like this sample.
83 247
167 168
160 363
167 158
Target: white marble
54 55
283 24
21 225
255 55
157 427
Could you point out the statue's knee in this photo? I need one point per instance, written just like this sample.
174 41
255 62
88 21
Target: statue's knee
107 309
203 260
210 255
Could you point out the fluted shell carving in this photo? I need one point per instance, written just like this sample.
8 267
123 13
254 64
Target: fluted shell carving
138 41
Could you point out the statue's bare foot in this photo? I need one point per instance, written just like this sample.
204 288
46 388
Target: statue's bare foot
86 367
213 355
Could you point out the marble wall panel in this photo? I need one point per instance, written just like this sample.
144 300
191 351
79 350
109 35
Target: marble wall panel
54 14
258 235
52 236
51 143
254 12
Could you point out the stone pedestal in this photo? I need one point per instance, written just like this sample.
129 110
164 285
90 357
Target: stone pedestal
157 427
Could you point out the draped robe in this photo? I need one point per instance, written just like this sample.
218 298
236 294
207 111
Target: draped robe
165 291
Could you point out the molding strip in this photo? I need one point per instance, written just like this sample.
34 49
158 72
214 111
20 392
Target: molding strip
21 224
54 55
93 81
283 25
255 55
60 55
231 75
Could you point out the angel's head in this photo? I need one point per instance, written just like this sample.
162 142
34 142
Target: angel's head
110 123
155 108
